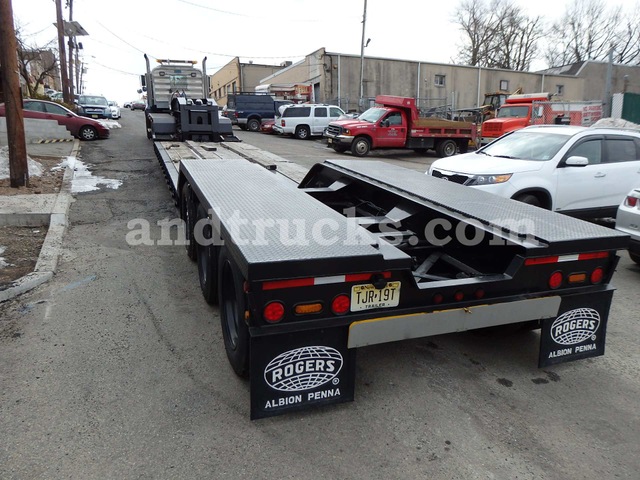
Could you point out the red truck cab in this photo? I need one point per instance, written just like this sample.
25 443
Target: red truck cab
515 113
395 122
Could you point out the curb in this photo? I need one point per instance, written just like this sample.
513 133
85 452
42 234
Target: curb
47 262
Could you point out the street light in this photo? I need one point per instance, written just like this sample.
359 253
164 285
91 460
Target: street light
362 45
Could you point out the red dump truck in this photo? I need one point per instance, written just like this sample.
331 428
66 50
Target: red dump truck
395 122
522 110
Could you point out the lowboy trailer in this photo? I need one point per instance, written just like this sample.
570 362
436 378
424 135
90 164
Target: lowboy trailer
362 252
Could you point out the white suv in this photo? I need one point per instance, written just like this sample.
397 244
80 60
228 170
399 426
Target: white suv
580 171
305 120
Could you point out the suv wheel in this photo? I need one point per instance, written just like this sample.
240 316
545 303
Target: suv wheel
302 132
529 199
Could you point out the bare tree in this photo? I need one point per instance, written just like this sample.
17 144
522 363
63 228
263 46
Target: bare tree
498 34
627 43
36 64
587 31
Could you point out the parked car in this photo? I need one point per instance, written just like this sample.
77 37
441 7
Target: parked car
127 104
249 110
138 105
94 106
306 120
584 172
628 221
115 110
80 127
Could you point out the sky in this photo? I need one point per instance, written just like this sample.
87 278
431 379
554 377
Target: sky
264 32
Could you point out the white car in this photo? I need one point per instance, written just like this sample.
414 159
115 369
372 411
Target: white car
115 110
628 221
307 119
580 171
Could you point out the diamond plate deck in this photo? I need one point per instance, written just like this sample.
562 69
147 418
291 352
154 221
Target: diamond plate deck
557 230
274 230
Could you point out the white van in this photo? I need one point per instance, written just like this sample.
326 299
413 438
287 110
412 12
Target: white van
307 119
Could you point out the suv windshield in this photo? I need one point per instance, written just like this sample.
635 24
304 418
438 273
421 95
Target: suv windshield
527 145
93 100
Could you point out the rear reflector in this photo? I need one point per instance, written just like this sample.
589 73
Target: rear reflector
565 258
308 282
577 278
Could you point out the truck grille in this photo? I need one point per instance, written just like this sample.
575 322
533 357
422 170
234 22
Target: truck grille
452 178
491 128
334 130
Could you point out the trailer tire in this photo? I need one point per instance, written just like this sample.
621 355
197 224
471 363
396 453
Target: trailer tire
302 132
207 261
361 146
253 125
635 257
446 148
188 214
232 313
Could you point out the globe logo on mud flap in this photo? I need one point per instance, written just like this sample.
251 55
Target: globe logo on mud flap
303 368
575 326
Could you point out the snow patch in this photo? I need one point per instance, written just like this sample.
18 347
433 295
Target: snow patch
83 180
615 123
110 124
3 262
35 168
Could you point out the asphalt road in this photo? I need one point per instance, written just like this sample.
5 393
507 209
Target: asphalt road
116 369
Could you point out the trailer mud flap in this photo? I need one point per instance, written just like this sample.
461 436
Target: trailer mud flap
578 331
295 371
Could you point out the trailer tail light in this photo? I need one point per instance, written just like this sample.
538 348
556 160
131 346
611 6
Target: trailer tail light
597 275
438 298
340 304
479 293
307 308
555 280
273 312
458 296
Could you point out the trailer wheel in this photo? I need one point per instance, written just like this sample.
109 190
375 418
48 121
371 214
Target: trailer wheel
446 148
302 132
232 310
339 148
360 146
188 215
635 257
253 125
207 261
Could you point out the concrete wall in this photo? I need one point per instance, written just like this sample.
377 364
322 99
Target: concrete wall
36 129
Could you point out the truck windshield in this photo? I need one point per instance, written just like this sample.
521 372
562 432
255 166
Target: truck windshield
513 112
522 145
372 115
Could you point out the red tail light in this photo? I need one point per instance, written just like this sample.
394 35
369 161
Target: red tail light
631 201
597 275
458 296
341 304
555 280
438 298
273 312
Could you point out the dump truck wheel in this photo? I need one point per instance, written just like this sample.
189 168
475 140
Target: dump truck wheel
232 313
360 147
188 215
446 148
207 260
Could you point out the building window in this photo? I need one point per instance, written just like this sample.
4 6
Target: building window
438 80
233 87
228 89
559 90
504 85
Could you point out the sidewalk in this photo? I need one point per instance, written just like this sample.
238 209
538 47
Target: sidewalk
38 210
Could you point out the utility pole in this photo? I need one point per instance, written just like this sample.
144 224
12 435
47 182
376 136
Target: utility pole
364 20
18 168
66 95
71 40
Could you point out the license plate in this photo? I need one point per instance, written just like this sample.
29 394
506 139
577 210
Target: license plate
329 141
94 116
366 297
